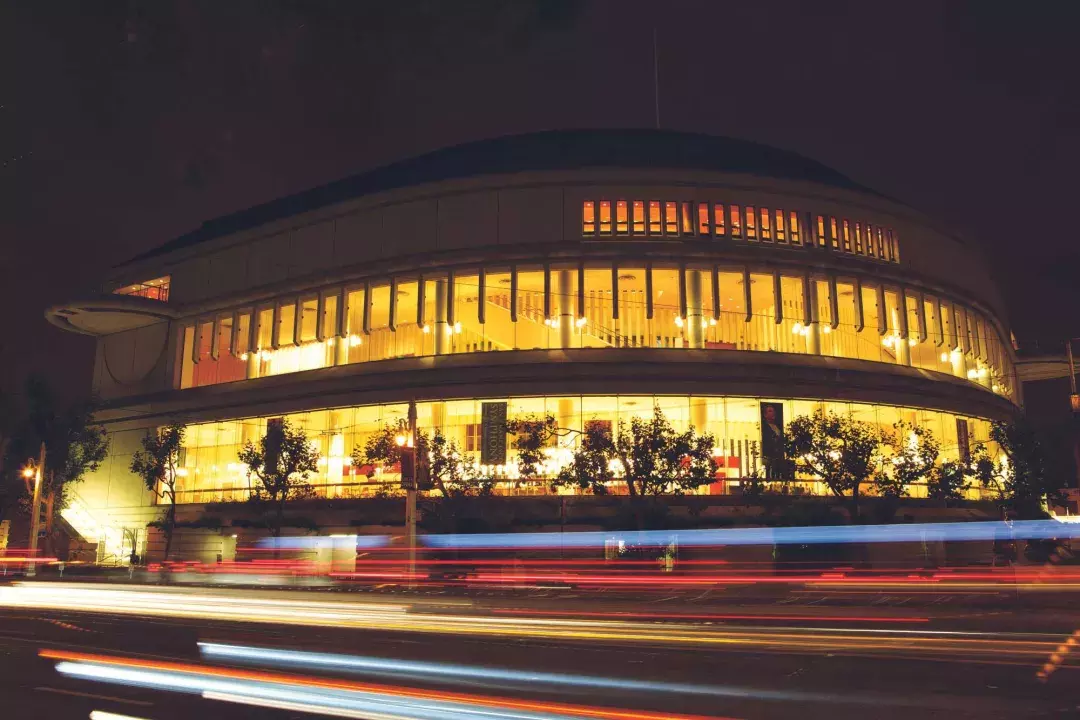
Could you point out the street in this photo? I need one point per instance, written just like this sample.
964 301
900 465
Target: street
533 654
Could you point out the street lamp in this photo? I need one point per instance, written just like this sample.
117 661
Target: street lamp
35 471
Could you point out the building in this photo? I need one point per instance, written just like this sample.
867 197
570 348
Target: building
586 274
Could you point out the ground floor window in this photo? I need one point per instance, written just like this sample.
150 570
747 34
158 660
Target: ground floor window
212 472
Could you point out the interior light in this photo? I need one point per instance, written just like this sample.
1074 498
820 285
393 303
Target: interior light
712 321
796 328
28 472
425 328
827 329
581 322
457 327
243 356
944 357
355 340
678 321
912 342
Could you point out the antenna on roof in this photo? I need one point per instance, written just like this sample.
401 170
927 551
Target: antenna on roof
656 78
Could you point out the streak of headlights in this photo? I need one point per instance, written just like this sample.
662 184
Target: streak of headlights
325 695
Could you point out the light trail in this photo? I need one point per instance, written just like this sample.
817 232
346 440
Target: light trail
383 618
316 692
831 534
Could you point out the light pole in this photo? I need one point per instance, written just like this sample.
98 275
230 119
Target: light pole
35 470
407 443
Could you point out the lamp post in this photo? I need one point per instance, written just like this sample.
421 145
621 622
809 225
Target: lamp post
407 443
35 470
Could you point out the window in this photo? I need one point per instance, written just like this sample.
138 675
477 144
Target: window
472 437
766 226
858 239
735 213
781 236
793 228
671 218
639 217
605 217
719 226
156 289
894 243
881 251
686 218
588 218
821 231
703 220
870 241
751 223
654 217
834 238
847 236
622 224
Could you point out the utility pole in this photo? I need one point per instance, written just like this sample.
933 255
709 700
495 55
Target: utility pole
407 443
35 517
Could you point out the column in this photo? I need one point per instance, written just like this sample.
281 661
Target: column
813 334
695 318
699 414
442 329
565 308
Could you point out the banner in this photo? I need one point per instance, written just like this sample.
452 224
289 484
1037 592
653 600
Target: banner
493 433
772 438
962 441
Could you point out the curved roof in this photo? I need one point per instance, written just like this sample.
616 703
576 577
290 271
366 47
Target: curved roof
549 150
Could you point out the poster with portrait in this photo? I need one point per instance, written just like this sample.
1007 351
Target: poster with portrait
772 438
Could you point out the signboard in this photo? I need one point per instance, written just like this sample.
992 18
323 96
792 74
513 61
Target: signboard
962 440
772 439
493 433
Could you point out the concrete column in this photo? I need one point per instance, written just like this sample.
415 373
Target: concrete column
438 416
252 367
959 364
699 414
903 351
813 336
565 308
695 318
442 328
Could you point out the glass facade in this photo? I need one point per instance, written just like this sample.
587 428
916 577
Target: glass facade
632 305
211 472
156 289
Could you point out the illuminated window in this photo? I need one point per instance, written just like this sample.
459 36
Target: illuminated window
156 289
605 217
472 437
766 225
821 231
686 219
793 228
622 221
847 236
751 223
671 218
588 218
719 224
858 239
639 217
880 244
883 246
654 217
781 236
834 237
735 214
894 243
703 220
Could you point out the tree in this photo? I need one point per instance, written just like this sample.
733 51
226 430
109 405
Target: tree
948 481
649 455
842 453
532 434
440 462
282 462
914 455
156 465
1019 475
74 445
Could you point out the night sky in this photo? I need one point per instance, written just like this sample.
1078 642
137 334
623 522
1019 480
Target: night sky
124 124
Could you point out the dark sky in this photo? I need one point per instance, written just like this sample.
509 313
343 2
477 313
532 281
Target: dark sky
124 124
